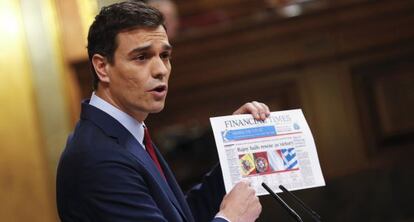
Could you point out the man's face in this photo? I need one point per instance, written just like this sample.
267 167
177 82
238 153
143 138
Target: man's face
138 77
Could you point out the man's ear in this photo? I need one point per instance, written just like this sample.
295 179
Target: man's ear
100 64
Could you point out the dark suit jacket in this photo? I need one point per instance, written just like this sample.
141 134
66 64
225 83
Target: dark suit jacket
105 175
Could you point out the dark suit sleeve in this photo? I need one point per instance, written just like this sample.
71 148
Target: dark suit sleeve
115 191
204 199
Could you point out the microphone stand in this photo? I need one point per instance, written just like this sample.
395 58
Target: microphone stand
314 215
292 212
283 203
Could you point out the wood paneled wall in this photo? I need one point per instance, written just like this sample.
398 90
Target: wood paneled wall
309 62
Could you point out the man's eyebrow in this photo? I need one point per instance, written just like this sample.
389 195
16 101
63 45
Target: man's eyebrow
147 47
167 47
140 49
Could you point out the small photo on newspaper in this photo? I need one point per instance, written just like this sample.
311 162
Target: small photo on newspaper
278 151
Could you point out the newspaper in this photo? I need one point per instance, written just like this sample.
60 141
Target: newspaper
278 151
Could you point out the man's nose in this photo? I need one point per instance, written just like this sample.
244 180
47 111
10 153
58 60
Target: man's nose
159 68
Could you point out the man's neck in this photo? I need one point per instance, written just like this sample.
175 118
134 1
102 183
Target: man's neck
106 95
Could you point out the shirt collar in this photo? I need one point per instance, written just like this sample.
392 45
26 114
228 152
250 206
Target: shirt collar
132 125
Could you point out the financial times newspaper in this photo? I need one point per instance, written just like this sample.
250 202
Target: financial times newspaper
277 151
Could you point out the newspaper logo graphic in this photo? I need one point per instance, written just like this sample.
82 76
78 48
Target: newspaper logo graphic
296 126
289 158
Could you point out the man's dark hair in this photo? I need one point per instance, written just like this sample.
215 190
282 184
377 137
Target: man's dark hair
113 19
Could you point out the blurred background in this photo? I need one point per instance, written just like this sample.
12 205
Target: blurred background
349 64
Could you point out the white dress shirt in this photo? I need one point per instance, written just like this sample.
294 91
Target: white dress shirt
132 125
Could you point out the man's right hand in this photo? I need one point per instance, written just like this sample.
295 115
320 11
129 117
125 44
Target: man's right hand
241 204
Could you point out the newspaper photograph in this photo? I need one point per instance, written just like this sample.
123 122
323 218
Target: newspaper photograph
278 151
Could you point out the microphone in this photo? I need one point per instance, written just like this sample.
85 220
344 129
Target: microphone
283 203
314 215
292 212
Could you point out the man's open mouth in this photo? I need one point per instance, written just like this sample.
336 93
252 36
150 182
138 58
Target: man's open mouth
160 88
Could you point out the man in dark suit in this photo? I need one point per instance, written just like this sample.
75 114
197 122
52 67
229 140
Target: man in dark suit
110 170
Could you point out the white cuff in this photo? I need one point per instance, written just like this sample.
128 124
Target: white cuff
219 215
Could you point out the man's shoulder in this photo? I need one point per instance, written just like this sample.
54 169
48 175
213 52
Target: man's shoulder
88 148
87 136
89 143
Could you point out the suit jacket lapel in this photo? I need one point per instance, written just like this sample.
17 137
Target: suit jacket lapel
138 151
175 187
116 130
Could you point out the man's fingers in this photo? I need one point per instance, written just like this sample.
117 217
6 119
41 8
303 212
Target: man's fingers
260 111
245 109
241 204
244 188
241 185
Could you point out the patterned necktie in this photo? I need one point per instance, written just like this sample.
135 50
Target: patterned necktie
151 151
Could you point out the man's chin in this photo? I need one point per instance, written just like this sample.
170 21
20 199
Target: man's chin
157 109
